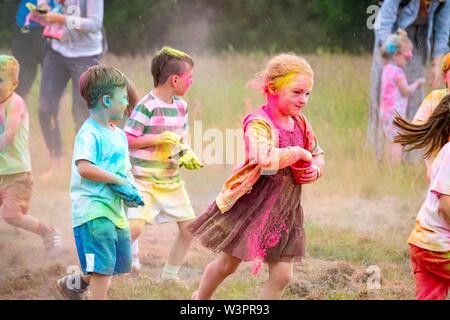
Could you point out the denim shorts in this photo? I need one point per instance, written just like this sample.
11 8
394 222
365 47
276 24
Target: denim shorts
103 248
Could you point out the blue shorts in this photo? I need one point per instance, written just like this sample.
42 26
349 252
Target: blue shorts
103 248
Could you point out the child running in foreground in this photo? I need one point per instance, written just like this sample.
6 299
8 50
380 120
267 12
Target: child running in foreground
258 214
431 101
430 240
155 130
15 165
99 183
396 51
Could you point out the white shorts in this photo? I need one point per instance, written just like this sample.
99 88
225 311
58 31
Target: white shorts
161 204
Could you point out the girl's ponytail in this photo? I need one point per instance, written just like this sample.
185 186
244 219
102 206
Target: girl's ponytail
432 135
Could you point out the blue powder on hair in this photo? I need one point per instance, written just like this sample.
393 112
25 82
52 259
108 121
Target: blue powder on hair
391 48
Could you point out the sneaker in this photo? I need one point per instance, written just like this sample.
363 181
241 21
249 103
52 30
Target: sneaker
174 281
53 243
136 267
67 288
194 295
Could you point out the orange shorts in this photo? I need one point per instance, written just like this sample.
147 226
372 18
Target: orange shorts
15 194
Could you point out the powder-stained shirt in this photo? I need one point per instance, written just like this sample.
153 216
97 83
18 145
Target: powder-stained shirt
151 117
106 148
392 102
15 157
426 110
263 155
428 105
432 231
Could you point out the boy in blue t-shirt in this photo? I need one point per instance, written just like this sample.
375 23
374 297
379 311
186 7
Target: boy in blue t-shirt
99 184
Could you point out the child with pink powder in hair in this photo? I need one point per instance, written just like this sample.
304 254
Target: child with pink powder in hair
397 51
258 215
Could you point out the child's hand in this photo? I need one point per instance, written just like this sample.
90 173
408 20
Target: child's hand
167 137
127 192
306 156
190 161
187 157
121 181
310 175
420 82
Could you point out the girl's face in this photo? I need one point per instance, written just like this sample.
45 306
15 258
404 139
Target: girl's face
404 56
293 97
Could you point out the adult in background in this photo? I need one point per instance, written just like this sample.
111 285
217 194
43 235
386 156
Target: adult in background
76 42
427 23
27 47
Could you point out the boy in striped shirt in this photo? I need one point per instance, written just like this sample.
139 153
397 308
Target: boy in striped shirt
155 130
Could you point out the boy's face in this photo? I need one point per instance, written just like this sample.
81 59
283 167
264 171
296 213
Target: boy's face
8 83
118 103
294 97
182 82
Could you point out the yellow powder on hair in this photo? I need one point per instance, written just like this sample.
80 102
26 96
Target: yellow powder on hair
174 53
280 71
283 81
10 65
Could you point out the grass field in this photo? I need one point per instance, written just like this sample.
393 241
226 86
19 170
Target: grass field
359 215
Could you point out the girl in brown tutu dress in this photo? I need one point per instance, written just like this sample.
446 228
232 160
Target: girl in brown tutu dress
258 214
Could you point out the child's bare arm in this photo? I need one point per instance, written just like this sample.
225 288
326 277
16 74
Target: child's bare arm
135 142
92 172
444 207
407 89
14 112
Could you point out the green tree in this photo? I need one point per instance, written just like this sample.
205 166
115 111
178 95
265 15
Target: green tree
141 26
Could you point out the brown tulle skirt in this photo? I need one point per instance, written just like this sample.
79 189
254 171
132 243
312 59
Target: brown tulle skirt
263 225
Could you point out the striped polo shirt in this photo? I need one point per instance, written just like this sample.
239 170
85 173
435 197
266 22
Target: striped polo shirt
153 116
